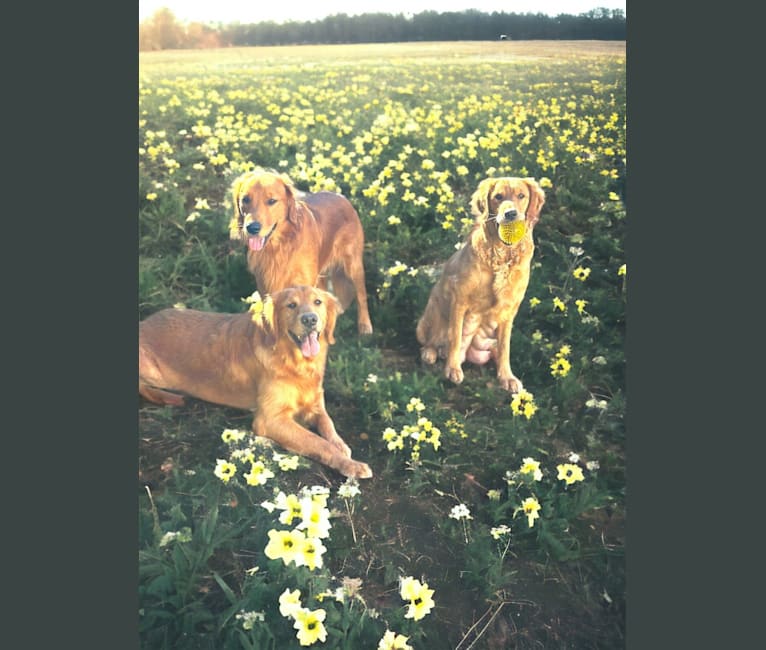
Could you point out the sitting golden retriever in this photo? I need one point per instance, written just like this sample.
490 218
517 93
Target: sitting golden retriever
471 308
271 363
296 238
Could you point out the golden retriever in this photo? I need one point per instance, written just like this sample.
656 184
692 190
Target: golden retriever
471 308
295 238
272 364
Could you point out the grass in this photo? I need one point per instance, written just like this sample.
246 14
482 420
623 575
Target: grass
406 131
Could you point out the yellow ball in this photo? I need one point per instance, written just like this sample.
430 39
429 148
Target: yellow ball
511 232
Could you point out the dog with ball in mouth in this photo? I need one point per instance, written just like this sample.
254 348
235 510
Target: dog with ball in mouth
470 311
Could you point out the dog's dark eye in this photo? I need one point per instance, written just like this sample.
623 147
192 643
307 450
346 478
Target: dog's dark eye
245 199
271 201
498 197
521 196
317 302
292 305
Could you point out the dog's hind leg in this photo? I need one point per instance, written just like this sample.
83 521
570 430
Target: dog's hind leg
349 283
149 375
159 396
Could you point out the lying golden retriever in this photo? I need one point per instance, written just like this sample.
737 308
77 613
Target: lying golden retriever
272 364
471 308
296 238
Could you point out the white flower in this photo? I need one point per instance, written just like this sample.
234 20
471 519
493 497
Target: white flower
349 489
460 511
592 465
249 618
497 531
168 537
268 506
574 458
373 379
599 361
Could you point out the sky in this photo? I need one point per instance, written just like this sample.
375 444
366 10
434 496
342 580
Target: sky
230 11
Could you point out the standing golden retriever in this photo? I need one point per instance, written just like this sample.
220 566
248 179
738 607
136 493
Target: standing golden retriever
296 238
471 308
271 363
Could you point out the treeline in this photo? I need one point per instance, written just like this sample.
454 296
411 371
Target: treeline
163 32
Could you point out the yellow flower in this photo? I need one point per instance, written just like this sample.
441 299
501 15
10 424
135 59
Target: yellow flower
560 367
286 463
613 196
581 273
284 545
415 404
310 553
581 306
622 270
559 304
545 182
232 435
569 473
289 602
531 466
530 506
564 351
224 470
290 505
151 196
393 641
259 474
395 440
523 404
315 517
534 301
310 626
420 597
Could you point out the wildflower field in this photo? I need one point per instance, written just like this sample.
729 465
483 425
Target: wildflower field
491 521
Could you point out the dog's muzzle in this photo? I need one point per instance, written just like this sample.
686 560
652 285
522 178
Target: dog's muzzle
309 342
256 241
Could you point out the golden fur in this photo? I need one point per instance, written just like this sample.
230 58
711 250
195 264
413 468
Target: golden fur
299 238
273 366
470 312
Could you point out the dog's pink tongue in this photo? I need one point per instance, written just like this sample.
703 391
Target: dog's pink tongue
310 345
255 243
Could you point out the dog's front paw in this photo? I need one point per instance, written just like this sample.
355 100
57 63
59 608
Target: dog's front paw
454 374
428 355
355 469
511 384
365 328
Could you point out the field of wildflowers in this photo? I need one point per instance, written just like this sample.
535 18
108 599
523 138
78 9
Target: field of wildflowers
491 521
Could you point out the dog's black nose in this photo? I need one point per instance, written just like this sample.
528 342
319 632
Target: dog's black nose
509 214
309 320
253 228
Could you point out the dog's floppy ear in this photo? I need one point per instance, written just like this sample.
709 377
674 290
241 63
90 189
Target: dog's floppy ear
333 308
480 199
536 200
262 314
235 225
270 321
293 208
